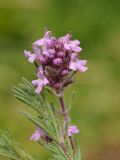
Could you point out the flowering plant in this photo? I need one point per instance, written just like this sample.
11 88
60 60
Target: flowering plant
56 61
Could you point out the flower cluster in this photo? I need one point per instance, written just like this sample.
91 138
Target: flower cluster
56 59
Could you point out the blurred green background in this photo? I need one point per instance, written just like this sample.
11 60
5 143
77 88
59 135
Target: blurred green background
96 108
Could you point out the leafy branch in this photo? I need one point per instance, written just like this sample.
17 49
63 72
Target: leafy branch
44 117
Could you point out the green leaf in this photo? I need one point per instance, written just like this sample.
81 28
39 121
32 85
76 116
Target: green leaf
43 123
11 149
46 119
25 93
77 154
56 150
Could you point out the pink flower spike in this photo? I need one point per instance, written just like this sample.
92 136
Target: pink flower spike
37 134
72 130
31 57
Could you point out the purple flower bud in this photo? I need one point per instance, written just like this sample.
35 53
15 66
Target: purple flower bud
64 72
53 41
58 86
57 61
61 54
42 60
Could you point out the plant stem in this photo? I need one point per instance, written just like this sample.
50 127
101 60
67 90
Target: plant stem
66 119
72 144
64 112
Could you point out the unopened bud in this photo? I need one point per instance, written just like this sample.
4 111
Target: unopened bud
64 72
57 61
58 86
42 60
61 54
53 41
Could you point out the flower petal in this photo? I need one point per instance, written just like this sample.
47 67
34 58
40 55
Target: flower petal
73 66
76 42
35 136
45 81
83 62
39 85
72 130
82 68
31 57
39 88
39 42
76 48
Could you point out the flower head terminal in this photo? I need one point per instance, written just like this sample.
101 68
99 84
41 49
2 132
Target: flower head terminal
58 58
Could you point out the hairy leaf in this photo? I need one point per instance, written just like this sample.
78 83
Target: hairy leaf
11 149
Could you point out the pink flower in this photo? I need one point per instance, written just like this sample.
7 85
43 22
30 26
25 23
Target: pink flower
73 45
70 45
76 64
39 83
49 52
42 81
53 41
44 41
72 130
37 51
37 134
65 39
31 57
